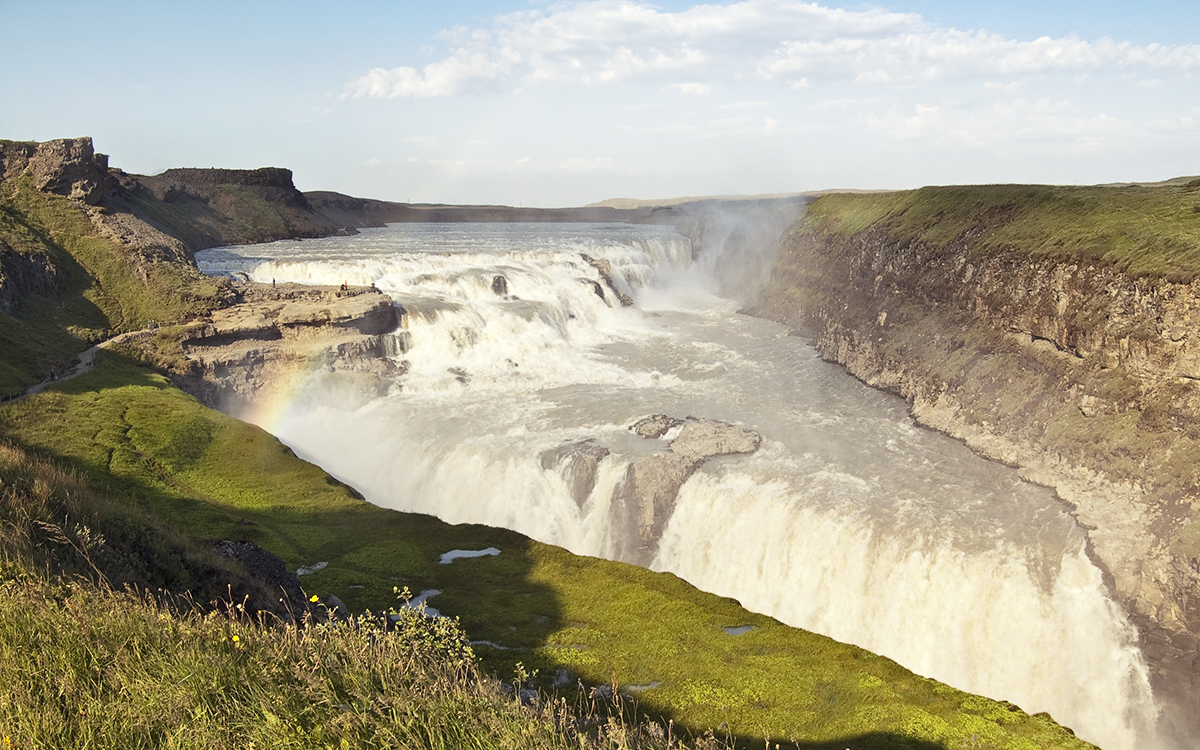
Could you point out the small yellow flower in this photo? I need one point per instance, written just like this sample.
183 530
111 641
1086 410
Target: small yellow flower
236 639
314 598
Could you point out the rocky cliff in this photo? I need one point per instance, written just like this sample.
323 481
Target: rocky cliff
87 250
277 340
1054 330
68 167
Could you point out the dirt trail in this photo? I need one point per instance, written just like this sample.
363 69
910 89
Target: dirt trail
86 363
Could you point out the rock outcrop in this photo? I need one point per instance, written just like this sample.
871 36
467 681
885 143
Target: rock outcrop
578 462
1079 374
278 338
645 497
604 268
22 274
68 166
276 589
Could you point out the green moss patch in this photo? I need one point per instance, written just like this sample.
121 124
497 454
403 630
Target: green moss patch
127 431
1148 231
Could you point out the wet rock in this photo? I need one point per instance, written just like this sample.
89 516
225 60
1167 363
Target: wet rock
578 463
655 425
702 439
500 286
604 268
595 285
645 498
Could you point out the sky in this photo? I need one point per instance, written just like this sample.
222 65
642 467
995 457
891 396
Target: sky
534 103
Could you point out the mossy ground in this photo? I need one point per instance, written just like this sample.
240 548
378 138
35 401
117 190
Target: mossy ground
102 294
131 435
1146 231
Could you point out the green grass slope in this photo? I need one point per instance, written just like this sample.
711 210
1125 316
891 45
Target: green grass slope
102 294
130 435
1146 231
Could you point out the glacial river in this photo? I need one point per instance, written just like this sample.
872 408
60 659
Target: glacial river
850 520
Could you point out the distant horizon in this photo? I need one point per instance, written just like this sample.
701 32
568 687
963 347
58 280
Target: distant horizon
625 202
555 104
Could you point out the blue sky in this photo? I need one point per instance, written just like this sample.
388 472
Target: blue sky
551 104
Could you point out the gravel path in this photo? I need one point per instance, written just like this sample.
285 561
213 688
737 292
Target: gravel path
86 363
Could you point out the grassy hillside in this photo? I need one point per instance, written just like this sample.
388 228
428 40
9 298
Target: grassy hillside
1147 231
129 435
101 294
120 625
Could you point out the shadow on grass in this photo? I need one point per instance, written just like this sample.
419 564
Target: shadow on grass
133 435
577 620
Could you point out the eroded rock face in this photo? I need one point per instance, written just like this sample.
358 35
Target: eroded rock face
578 463
645 497
282 336
68 166
1080 375
24 274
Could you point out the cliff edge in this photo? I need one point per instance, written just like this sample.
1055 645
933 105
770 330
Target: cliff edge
1053 329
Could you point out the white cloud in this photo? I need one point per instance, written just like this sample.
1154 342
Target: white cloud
799 44
1060 126
692 89
770 126
745 105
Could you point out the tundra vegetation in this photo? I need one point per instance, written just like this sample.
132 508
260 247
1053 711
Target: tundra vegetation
121 626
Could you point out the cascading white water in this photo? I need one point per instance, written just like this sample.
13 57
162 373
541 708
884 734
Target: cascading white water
850 520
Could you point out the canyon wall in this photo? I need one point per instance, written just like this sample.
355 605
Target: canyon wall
1067 364
277 339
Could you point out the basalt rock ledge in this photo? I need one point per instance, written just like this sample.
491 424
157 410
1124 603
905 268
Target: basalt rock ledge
1084 376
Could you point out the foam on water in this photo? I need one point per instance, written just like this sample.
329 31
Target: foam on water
850 520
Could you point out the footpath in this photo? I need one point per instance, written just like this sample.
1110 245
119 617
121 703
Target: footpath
85 364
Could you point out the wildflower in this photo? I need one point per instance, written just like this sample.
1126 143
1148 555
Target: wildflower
236 639
314 598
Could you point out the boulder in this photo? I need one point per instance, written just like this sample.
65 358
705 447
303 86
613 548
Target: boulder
578 463
655 425
645 497
701 439
270 572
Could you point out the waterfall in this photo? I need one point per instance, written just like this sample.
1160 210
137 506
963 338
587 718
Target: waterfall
524 371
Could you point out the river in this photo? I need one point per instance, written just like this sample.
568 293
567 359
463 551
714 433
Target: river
849 520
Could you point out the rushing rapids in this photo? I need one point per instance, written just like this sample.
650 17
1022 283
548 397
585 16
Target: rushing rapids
522 373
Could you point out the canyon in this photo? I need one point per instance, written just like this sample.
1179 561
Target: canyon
1077 370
